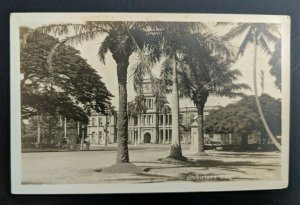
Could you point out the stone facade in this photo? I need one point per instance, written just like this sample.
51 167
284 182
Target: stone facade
102 128
153 127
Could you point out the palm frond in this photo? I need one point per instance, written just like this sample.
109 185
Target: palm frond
247 40
81 37
264 46
140 71
214 45
236 31
103 49
66 29
231 90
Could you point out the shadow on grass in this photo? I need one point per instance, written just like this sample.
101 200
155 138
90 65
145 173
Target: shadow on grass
208 163
247 155
147 176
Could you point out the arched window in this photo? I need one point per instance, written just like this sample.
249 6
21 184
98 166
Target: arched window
93 121
100 121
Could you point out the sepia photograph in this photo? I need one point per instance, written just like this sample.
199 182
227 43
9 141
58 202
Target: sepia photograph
149 102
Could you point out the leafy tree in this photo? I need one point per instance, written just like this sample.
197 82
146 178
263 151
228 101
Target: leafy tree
257 34
187 121
122 39
71 91
202 72
243 117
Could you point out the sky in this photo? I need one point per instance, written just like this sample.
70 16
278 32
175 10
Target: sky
107 71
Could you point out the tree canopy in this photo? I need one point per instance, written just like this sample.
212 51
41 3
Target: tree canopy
71 88
243 117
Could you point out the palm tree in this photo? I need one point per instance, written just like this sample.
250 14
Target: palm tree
122 39
160 100
202 75
178 40
257 34
139 109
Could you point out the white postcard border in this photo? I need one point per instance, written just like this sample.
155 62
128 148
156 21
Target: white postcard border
18 19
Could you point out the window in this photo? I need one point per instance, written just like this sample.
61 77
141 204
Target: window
93 135
147 88
100 121
168 119
151 103
135 120
161 119
167 136
93 122
180 118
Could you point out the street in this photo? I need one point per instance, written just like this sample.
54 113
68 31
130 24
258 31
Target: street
81 167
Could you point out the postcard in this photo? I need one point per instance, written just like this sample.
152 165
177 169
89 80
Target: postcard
149 102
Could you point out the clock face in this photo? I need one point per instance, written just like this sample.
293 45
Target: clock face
147 88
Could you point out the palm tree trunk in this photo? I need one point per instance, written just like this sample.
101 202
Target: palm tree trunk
175 146
261 114
123 155
200 148
157 126
38 130
65 128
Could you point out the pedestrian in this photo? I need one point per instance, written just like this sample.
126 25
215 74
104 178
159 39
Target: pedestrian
87 143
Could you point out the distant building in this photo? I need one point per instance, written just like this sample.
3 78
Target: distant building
150 127
153 127
102 128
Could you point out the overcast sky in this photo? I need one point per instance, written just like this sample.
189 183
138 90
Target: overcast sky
89 51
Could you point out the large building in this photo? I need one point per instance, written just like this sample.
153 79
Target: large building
156 127
153 127
150 127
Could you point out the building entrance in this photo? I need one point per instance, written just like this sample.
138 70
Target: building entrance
147 137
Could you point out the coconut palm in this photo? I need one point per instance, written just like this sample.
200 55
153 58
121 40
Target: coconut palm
180 39
257 34
160 100
139 109
135 110
122 39
203 75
